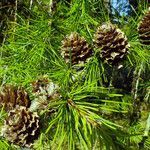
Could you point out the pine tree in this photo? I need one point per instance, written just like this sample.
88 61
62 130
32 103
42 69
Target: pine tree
85 72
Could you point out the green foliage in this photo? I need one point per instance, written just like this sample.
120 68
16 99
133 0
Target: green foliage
92 114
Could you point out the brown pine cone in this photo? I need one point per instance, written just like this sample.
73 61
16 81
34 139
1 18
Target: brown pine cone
21 127
75 49
112 42
144 29
11 96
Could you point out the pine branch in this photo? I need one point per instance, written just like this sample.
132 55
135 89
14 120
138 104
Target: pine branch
31 3
147 128
135 114
146 98
136 82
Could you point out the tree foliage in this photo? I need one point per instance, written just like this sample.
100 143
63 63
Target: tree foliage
101 106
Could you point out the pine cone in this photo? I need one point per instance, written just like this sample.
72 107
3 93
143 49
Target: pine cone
11 96
21 127
45 92
144 29
113 43
45 87
75 49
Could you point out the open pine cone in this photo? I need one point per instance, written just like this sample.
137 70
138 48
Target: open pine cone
45 87
45 92
113 43
144 29
12 96
75 49
21 127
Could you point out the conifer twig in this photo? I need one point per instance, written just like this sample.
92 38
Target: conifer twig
146 132
52 6
15 17
147 128
107 5
136 82
147 95
15 14
148 120
136 107
31 3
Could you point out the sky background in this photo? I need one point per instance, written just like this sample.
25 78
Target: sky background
122 6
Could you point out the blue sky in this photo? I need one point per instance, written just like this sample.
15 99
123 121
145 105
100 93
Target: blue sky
122 6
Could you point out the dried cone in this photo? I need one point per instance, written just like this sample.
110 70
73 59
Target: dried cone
45 92
21 127
12 96
144 29
45 87
75 49
113 43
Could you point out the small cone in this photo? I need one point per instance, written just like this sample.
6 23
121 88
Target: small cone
45 92
45 87
75 49
112 42
144 29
